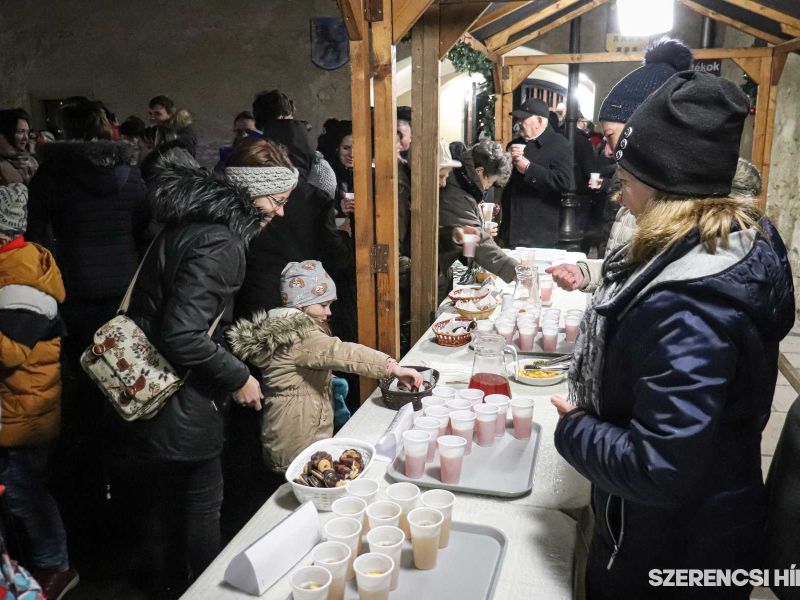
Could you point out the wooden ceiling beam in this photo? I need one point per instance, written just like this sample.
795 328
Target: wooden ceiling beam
406 13
352 14
532 35
770 13
786 47
474 43
500 39
455 20
498 13
712 14
611 57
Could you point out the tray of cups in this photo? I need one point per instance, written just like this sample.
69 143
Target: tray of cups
382 550
486 454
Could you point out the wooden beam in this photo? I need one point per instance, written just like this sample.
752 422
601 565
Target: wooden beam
425 172
712 14
760 125
507 100
550 26
497 14
352 15
406 13
364 218
386 234
751 66
455 20
520 74
478 45
765 11
611 57
789 371
776 69
786 47
500 39
497 76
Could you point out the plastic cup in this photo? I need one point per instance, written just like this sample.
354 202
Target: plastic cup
594 180
346 530
310 583
458 404
488 226
549 337
426 525
506 329
383 512
333 557
451 457
462 423
432 401
366 489
473 395
340 221
571 328
517 149
574 312
527 333
501 402
389 541
415 452
546 290
551 313
522 415
485 423
443 501
487 208
443 391
350 506
484 326
406 495
441 414
430 425
469 242
374 576
508 302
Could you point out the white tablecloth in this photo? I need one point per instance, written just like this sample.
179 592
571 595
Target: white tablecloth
542 536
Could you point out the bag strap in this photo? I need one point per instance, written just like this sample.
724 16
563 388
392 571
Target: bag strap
126 299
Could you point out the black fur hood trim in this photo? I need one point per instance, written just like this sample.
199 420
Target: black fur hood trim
180 193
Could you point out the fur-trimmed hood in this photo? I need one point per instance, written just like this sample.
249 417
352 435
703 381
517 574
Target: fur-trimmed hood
100 153
180 193
267 332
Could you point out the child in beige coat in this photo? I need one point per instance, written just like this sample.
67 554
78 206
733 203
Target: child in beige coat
296 354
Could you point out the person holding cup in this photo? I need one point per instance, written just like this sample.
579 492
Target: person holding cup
483 165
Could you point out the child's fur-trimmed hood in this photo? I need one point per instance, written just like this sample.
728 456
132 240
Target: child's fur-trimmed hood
262 336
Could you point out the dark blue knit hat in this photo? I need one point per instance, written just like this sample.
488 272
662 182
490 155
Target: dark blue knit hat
662 59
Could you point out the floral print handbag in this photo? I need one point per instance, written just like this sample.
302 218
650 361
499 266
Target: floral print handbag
127 367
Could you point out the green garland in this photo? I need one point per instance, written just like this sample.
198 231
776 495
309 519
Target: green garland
466 59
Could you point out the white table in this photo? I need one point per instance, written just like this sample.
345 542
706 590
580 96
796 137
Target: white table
541 529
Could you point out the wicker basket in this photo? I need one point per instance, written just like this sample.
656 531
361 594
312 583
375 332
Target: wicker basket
397 399
476 316
452 340
458 294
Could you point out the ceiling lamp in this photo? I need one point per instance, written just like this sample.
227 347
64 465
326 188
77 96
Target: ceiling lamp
643 18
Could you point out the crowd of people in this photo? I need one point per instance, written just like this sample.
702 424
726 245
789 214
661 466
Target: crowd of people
243 278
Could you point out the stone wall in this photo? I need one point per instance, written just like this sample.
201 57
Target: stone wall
209 56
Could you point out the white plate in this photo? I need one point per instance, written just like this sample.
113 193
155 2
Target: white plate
561 376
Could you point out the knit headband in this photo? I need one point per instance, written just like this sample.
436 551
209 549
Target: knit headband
263 181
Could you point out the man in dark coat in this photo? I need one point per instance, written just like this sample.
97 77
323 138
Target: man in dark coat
542 173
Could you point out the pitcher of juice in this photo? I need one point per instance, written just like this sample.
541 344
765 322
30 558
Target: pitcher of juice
488 368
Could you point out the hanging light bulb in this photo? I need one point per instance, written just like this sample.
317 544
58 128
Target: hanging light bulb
640 18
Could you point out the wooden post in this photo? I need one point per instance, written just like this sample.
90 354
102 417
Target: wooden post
777 63
508 106
362 184
762 114
497 75
424 171
385 253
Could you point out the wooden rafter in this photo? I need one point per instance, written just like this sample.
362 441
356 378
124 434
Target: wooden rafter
474 43
498 13
611 57
712 14
406 13
500 39
456 19
786 47
789 24
352 11
537 32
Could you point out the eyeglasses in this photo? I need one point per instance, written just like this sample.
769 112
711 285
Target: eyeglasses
276 202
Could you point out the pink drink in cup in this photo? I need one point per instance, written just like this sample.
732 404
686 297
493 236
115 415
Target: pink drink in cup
432 401
473 395
506 329
462 422
469 241
458 404
441 414
501 402
522 415
444 392
546 290
571 327
549 337
527 333
415 452
451 457
430 425
485 423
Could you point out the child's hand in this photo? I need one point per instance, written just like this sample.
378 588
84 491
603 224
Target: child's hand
407 378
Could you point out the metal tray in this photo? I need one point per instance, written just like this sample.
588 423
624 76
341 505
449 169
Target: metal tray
504 469
467 569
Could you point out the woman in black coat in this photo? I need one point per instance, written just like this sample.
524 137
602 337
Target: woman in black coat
675 367
189 277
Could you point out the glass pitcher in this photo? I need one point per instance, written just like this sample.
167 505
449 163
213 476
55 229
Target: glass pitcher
488 368
526 290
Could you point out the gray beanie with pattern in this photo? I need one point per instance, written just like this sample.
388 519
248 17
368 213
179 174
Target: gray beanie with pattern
306 283
13 210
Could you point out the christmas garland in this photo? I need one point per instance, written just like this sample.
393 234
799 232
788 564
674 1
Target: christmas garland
466 59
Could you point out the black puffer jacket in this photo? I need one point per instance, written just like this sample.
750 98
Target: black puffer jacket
87 205
190 276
